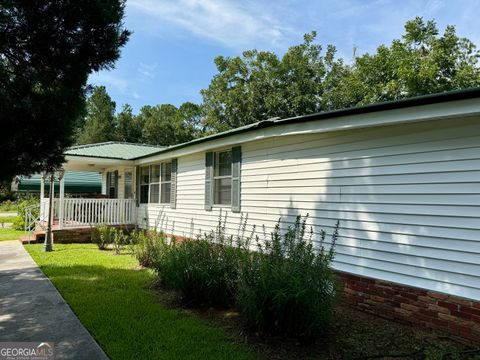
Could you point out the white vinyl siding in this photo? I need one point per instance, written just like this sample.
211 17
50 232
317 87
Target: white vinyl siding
407 197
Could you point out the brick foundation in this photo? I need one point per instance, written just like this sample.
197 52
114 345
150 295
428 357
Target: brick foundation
457 317
79 235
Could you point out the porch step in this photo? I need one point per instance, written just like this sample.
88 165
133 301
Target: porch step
35 237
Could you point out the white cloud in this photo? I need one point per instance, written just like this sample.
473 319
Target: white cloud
120 85
237 24
147 70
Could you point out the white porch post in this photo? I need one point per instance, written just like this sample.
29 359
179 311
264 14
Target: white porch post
62 196
42 187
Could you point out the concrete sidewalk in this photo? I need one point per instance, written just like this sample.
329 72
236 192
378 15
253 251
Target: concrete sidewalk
31 309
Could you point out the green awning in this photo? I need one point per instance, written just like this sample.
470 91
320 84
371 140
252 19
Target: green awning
75 182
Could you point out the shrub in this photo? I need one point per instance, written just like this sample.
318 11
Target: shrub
204 270
8 205
19 222
120 240
287 288
103 235
149 246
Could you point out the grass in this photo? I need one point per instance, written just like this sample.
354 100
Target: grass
111 296
10 234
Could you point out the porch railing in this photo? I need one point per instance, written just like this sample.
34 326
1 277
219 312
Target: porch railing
81 212
86 212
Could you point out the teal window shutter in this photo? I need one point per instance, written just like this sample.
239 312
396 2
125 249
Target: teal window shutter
137 185
173 185
107 185
208 180
236 166
115 196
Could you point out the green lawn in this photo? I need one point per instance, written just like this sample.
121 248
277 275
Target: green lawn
110 296
10 234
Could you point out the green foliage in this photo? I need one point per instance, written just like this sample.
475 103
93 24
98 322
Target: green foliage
168 125
128 127
19 222
8 206
99 123
204 270
422 62
120 240
148 246
261 85
6 194
103 235
47 51
287 287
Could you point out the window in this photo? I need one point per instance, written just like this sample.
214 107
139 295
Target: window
154 183
166 182
222 178
144 180
128 184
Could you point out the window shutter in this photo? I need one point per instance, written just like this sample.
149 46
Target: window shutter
137 185
208 180
107 185
236 165
116 184
173 185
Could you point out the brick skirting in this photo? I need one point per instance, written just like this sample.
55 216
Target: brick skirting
454 316
80 235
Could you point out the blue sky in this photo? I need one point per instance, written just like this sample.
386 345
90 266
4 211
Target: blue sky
169 57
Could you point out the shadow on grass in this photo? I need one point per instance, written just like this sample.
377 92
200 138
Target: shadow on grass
127 320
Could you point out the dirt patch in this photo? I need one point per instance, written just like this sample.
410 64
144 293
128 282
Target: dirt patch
354 335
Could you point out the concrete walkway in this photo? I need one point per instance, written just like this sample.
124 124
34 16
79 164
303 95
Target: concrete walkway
31 309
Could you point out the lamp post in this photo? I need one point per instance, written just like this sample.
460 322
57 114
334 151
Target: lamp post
48 238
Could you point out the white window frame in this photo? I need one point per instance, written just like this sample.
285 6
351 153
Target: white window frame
215 178
151 184
143 184
165 182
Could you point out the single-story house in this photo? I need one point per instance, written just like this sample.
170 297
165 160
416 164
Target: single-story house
402 177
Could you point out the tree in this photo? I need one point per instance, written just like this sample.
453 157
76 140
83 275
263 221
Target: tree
99 123
166 125
260 85
47 51
191 116
422 62
128 126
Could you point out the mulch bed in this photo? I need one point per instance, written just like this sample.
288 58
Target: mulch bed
354 335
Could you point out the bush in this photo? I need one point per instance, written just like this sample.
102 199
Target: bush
19 222
8 205
148 246
204 270
287 288
120 240
103 235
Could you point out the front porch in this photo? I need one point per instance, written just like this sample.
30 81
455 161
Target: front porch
115 206
78 213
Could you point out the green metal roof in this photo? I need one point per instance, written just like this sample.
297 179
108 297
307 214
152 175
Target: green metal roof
436 98
113 150
75 182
